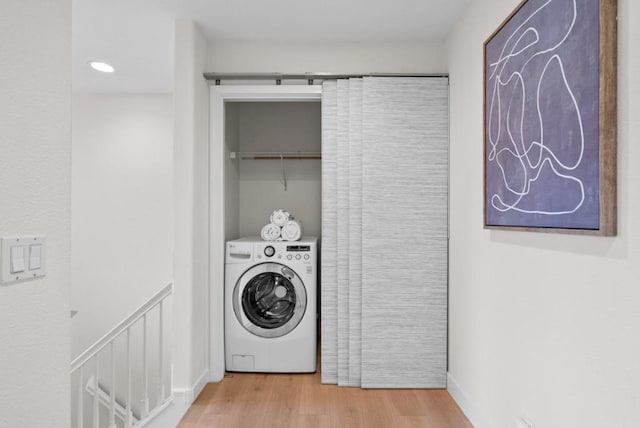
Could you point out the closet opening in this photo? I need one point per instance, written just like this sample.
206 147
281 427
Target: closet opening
265 155
383 190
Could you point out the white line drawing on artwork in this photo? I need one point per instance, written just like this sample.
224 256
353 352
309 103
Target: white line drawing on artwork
531 158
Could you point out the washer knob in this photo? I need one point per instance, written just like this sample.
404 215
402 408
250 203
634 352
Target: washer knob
289 256
306 256
269 251
297 256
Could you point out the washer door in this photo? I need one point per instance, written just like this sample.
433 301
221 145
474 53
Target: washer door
269 300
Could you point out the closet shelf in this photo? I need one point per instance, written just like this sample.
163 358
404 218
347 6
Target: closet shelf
275 155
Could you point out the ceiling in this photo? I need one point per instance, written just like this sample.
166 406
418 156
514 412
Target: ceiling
136 36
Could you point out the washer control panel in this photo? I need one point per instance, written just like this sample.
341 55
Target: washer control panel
302 254
285 251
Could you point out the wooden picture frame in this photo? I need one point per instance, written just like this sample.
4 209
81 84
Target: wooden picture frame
550 81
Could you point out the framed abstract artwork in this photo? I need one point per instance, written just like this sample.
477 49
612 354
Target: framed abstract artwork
550 118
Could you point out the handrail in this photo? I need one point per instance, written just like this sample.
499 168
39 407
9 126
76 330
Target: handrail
121 327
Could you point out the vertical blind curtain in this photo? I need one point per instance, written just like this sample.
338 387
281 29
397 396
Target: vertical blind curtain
384 232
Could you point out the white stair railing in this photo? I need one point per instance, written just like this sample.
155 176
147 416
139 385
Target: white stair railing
105 401
92 355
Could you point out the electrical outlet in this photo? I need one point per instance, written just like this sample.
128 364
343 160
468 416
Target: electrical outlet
524 423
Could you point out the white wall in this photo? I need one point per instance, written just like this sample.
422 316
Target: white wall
121 229
35 147
542 325
264 57
276 127
191 209
232 173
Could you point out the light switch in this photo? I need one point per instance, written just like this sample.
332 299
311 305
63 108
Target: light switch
17 258
35 256
22 258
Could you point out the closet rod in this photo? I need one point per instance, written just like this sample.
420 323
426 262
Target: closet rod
275 155
310 77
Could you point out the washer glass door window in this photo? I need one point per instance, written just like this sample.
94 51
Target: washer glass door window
269 300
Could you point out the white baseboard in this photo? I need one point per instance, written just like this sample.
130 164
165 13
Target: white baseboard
470 411
155 417
189 395
182 400
200 384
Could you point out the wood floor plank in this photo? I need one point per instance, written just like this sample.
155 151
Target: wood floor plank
407 403
314 421
283 400
316 398
200 405
235 395
300 400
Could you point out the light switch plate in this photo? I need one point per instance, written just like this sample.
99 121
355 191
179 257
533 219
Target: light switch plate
34 253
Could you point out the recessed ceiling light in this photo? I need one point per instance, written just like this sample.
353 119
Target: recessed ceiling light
101 66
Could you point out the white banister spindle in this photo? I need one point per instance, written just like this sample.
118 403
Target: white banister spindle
160 354
145 369
112 393
80 398
129 422
96 398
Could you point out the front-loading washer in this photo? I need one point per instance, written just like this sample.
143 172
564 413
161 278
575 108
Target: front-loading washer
270 305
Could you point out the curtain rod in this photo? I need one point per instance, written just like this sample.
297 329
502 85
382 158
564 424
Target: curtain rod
275 155
309 77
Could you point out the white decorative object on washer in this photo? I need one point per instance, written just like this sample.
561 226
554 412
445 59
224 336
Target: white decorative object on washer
270 232
292 231
280 217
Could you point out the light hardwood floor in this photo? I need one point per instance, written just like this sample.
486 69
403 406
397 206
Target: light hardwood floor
247 400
